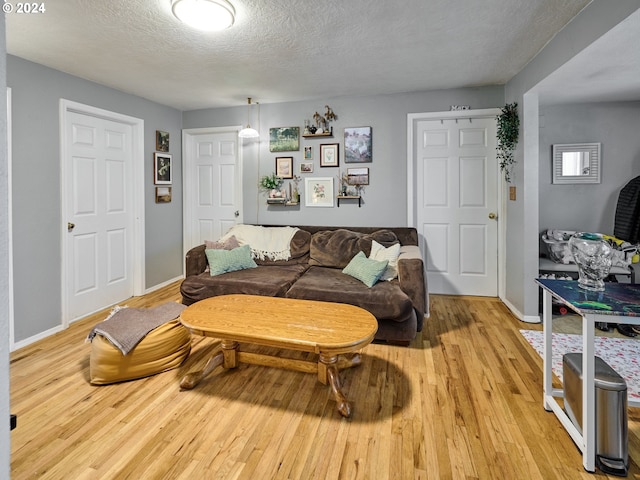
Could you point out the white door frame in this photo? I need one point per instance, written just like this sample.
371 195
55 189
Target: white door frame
12 329
188 173
412 121
137 128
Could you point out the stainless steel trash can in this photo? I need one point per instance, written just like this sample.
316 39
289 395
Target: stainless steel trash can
612 430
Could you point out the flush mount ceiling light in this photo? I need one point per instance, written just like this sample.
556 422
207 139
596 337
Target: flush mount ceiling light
248 132
208 15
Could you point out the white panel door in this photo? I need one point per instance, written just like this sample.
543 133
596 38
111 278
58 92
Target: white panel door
211 187
99 199
457 200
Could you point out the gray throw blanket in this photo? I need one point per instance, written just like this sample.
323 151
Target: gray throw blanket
126 327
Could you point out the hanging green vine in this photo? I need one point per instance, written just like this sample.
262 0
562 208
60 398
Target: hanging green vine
508 130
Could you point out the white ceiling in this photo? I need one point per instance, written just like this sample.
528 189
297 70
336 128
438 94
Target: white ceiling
289 50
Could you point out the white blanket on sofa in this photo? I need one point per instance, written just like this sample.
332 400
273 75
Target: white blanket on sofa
271 243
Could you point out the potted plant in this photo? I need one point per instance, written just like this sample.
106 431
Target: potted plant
507 136
270 183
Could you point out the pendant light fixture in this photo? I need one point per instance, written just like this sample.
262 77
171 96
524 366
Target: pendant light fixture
209 15
248 132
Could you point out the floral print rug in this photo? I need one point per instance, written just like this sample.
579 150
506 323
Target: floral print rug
623 355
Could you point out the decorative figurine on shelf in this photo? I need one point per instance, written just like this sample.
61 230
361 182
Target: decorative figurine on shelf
321 123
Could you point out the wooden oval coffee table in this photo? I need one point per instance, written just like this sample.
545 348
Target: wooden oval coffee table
335 331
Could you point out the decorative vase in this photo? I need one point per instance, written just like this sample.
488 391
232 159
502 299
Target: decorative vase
593 257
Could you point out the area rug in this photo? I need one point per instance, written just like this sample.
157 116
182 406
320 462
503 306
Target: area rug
623 355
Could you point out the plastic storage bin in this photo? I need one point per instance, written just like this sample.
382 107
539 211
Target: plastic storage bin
612 434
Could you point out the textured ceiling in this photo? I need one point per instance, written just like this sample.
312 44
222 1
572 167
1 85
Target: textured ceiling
288 50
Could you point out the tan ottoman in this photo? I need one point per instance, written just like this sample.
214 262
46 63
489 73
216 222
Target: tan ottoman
162 349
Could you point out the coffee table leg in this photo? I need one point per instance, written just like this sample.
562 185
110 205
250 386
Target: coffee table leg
328 373
192 379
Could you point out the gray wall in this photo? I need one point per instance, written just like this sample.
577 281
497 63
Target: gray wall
5 436
37 220
385 198
522 215
588 207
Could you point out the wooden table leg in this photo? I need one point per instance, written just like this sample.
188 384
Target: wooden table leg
230 350
192 379
328 373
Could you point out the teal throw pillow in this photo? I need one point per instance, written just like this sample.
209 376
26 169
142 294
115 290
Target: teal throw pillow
223 261
367 270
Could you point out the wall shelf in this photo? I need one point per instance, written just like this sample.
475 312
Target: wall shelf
314 135
350 197
283 202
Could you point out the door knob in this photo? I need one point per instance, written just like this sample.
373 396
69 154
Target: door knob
236 213
70 226
492 216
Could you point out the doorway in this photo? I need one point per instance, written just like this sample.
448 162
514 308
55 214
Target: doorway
455 198
102 172
212 183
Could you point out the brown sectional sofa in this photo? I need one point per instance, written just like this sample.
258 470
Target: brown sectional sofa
314 272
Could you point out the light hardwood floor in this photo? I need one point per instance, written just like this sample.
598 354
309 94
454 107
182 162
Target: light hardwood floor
462 402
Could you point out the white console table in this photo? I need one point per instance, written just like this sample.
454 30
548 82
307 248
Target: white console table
619 300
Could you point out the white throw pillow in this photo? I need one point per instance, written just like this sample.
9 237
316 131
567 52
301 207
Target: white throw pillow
391 254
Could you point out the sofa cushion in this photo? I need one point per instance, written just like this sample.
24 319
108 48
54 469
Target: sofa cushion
390 254
367 270
223 261
271 281
385 300
229 244
336 248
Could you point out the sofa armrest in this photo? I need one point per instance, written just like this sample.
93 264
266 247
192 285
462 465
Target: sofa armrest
195 261
413 279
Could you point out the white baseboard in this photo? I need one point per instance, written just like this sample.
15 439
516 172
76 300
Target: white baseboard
28 341
35 338
519 315
164 284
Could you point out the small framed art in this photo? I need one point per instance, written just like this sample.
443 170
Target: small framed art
318 191
163 194
284 167
329 155
162 141
306 167
162 168
358 176
308 153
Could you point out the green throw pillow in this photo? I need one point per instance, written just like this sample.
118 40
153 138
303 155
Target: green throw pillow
223 261
366 270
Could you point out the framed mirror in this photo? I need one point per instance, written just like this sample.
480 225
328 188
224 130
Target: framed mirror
576 163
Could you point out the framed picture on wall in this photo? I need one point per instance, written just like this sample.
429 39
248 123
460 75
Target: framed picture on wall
308 153
163 194
284 139
318 191
329 155
306 167
162 141
284 167
358 176
357 145
162 168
